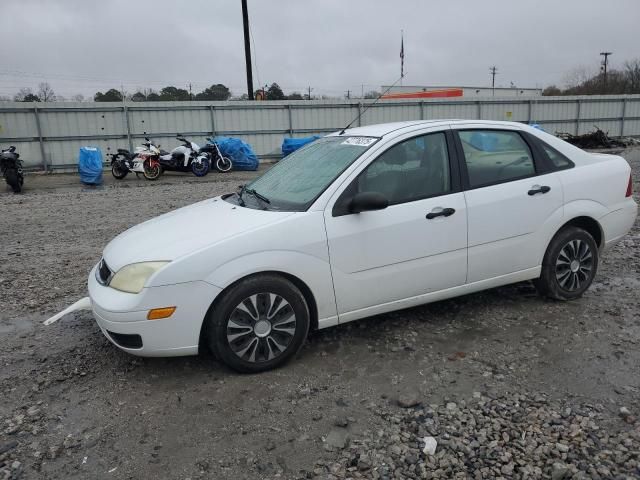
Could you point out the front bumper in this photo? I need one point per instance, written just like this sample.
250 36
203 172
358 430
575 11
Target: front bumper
122 317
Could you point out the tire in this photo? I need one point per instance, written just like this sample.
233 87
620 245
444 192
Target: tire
12 178
569 265
117 172
224 164
247 334
200 169
152 172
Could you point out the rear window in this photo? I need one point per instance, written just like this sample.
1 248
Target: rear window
558 160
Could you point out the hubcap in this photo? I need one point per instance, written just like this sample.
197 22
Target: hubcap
261 327
574 265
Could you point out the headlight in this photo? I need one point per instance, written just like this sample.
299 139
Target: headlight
132 278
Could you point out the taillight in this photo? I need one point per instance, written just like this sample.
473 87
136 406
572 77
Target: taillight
629 187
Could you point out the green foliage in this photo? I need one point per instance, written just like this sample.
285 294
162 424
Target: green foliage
174 94
274 92
295 96
112 95
217 92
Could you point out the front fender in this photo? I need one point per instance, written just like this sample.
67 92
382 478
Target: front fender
314 272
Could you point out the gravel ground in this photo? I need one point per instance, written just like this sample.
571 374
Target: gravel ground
508 384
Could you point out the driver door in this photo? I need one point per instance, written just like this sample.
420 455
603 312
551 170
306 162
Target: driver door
417 245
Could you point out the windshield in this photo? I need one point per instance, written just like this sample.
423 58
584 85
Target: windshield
295 182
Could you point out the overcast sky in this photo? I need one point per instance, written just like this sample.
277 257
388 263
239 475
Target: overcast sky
81 46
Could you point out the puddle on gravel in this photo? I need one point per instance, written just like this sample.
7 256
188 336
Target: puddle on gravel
15 325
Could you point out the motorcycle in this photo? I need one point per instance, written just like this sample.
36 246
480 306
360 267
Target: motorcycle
11 168
186 158
144 160
220 162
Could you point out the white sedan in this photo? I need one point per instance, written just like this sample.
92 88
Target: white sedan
358 223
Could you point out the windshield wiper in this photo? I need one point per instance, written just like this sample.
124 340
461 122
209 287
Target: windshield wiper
252 191
239 194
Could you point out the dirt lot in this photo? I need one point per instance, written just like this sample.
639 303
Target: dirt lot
510 385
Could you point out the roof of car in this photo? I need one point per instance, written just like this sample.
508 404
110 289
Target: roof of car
382 129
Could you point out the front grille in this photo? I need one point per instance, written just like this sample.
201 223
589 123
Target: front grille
126 340
103 273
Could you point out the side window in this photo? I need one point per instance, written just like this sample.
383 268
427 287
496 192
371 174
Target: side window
495 156
414 169
558 160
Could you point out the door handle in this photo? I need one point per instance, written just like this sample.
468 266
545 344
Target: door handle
538 189
444 212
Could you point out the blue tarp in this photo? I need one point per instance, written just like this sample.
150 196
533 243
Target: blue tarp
90 165
240 153
290 145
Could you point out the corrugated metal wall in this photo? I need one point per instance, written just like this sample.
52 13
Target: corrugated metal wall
50 135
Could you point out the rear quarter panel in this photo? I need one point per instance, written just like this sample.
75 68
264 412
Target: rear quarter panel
595 187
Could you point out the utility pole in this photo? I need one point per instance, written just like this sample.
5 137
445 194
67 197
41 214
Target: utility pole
247 49
310 92
348 95
190 95
604 67
493 70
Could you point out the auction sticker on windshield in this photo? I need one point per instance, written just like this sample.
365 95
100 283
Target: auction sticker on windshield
359 141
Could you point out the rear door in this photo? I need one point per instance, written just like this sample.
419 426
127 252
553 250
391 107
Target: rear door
511 197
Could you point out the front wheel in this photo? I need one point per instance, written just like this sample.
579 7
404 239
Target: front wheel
224 164
569 265
259 323
200 168
152 170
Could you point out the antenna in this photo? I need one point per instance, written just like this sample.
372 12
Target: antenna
370 105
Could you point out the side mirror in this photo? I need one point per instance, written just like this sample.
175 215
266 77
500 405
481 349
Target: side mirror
367 201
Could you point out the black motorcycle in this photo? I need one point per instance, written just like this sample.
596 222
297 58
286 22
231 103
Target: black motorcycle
122 163
11 168
217 160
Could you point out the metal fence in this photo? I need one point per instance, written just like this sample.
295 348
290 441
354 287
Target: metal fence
49 135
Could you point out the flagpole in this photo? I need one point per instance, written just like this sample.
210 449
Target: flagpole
401 56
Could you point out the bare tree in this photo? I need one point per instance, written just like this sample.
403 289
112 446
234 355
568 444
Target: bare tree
578 76
46 93
78 97
632 74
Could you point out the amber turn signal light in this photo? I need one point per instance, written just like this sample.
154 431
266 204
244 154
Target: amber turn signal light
158 313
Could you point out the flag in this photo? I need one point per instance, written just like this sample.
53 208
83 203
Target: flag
401 55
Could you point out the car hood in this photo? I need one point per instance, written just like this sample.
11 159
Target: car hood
184 231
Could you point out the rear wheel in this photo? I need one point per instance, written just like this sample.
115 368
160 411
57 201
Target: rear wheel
13 179
118 171
259 323
569 265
